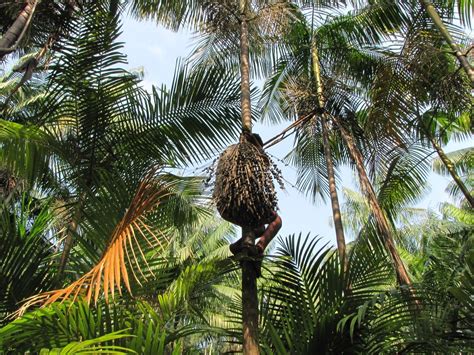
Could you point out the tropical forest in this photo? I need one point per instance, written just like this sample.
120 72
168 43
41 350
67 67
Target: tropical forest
297 179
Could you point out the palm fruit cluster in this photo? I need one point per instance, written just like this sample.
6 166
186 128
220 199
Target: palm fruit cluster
244 192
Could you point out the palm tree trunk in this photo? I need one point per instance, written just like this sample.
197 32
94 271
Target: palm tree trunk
382 222
11 38
433 14
452 171
336 211
249 295
317 74
249 274
245 69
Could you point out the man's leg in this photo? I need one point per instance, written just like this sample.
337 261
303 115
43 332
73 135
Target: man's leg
269 233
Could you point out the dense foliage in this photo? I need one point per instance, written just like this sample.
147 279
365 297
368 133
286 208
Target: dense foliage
106 246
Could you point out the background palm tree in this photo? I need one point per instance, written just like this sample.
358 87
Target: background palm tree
312 61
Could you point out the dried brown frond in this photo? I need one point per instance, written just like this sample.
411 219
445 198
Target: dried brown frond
122 253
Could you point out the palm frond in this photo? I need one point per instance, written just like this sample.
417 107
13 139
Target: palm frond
26 249
193 119
26 151
123 248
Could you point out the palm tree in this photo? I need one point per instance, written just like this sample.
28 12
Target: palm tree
95 136
217 20
249 275
316 71
332 101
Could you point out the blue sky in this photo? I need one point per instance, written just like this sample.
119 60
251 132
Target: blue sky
156 51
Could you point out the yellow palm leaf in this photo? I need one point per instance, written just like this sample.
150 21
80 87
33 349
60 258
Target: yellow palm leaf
111 271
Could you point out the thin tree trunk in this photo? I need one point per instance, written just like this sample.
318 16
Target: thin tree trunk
462 58
317 74
245 69
452 171
69 241
249 273
11 38
336 211
381 219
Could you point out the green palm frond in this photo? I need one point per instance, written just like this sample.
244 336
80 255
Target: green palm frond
404 179
311 296
464 289
310 162
92 346
300 298
26 249
115 327
364 27
361 311
26 151
91 101
462 215
449 270
193 119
